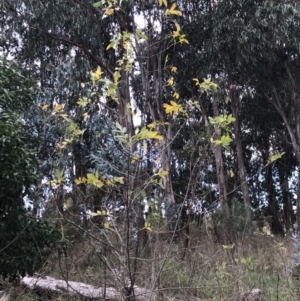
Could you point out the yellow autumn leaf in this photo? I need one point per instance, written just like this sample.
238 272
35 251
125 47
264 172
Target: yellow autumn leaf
98 73
152 125
162 173
147 227
152 135
147 134
171 81
135 158
109 12
162 2
110 183
174 69
156 135
182 39
57 108
98 183
173 108
44 107
85 116
231 173
118 180
80 180
196 80
173 11
176 95
62 145
116 77
177 32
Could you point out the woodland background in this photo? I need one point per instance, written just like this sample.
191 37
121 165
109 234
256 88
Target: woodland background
106 104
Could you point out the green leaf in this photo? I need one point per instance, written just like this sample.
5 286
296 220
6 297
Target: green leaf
225 140
228 247
160 184
209 86
230 119
97 4
197 105
139 35
94 214
211 120
59 174
274 158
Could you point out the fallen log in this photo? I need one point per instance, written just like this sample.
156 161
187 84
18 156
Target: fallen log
4 296
252 295
90 292
56 286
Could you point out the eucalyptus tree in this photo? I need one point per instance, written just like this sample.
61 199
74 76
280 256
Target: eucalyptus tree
274 62
236 45
210 53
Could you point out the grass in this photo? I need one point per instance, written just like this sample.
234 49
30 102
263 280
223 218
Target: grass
208 270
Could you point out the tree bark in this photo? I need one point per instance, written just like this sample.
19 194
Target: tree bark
297 113
286 199
240 157
276 226
220 167
293 133
153 97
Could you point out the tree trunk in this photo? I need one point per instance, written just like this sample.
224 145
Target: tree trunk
286 198
154 100
240 157
220 167
276 226
294 134
165 149
125 115
297 113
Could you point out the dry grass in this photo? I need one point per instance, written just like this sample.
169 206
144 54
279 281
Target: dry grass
208 271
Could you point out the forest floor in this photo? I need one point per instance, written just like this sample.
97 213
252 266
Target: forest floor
206 269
